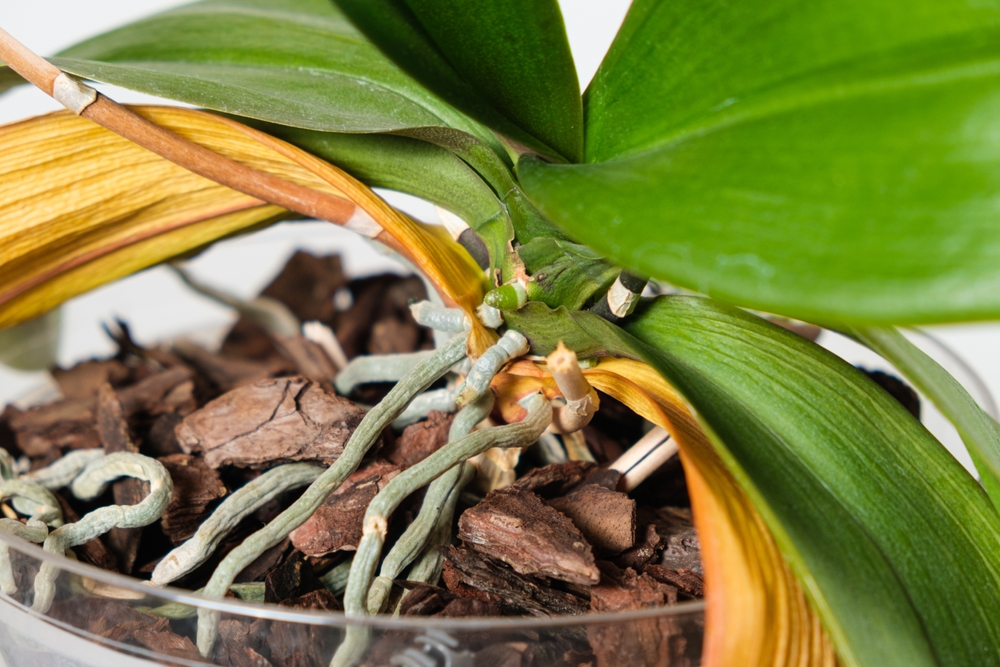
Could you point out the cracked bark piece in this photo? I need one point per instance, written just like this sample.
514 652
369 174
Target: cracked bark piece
606 518
156 394
644 550
681 548
196 488
55 427
160 640
117 621
469 608
392 336
556 479
337 524
308 359
229 371
468 574
510 654
240 643
85 378
161 440
654 642
292 579
318 600
418 441
297 645
377 299
687 582
424 599
264 563
307 285
113 431
516 527
606 477
270 422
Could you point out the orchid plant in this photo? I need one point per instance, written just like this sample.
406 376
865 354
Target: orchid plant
833 162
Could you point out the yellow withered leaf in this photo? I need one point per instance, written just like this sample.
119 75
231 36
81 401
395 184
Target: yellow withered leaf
757 615
81 206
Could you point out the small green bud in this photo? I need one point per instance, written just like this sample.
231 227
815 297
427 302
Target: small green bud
507 297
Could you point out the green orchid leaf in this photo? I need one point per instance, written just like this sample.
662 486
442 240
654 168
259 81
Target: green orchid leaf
297 62
9 79
825 160
506 63
564 273
867 507
977 429
401 163
544 327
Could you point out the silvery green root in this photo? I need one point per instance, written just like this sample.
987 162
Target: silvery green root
442 400
428 566
335 580
62 472
439 318
35 531
367 432
270 314
42 510
520 434
377 368
244 501
251 592
91 483
32 500
412 541
31 497
510 346
439 504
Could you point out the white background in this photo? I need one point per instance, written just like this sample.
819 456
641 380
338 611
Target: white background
152 301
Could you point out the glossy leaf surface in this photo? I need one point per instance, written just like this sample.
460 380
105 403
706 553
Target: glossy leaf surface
402 163
824 160
860 498
295 62
505 62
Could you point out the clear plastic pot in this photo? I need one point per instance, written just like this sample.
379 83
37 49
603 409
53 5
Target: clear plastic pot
60 638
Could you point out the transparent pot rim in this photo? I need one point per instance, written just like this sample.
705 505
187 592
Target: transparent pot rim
338 619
